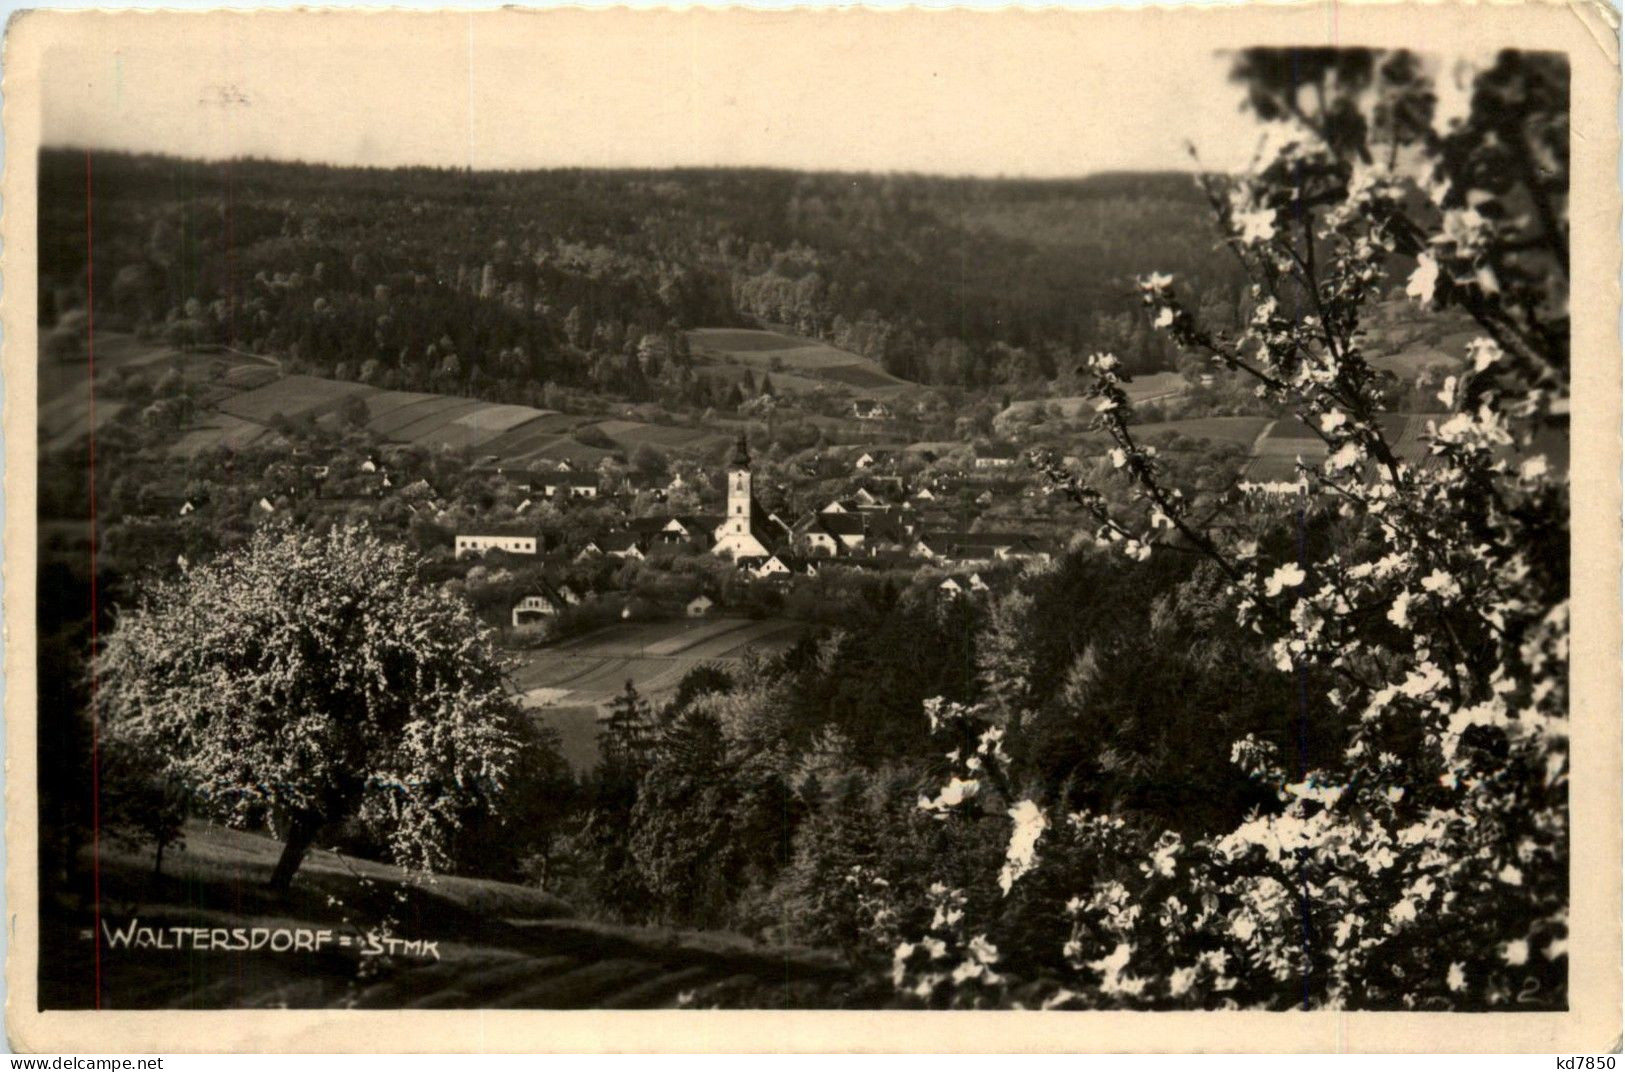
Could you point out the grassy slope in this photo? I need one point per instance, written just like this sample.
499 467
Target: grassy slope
501 946
570 682
795 364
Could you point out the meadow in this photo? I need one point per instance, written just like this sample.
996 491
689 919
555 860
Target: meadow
242 396
795 364
568 684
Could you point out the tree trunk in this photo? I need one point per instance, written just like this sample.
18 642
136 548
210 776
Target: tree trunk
301 832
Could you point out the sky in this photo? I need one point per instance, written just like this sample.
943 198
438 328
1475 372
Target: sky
955 93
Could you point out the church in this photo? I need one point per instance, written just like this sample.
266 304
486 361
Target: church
746 531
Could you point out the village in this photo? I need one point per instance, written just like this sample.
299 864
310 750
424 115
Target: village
861 531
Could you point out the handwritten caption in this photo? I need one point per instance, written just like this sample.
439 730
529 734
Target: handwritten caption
135 935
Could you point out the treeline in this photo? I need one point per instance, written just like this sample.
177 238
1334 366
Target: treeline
493 283
755 799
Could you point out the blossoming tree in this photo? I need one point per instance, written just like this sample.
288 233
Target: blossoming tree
1426 600
306 678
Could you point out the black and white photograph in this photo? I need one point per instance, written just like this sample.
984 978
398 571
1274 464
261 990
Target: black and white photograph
814 511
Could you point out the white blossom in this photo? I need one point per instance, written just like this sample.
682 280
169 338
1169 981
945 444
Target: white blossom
1290 575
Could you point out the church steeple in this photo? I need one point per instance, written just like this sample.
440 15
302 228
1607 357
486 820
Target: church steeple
741 454
743 532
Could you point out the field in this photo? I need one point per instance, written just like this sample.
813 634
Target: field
1141 389
498 945
291 397
1276 453
244 394
1242 430
65 403
797 365
569 682
511 434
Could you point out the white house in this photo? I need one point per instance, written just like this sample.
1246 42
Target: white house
867 409
951 587
478 543
996 456
700 606
575 488
773 566
532 608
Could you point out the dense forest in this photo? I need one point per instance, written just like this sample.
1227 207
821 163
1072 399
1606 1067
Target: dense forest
495 283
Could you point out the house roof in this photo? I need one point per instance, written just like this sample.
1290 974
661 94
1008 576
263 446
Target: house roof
980 541
701 522
843 524
504 529
646 526
544 588
618 541
999 450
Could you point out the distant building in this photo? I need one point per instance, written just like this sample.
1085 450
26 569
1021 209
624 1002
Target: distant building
700 606
811 536
972 548
777 566
622 545
867 409
545 602
996 456
582 489
477 543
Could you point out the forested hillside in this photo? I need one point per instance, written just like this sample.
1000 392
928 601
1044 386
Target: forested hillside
496 283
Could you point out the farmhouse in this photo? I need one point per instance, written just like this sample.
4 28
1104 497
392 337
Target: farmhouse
778 567
867 409
545 602
980 547
515 542
570 489
811 536
996 456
